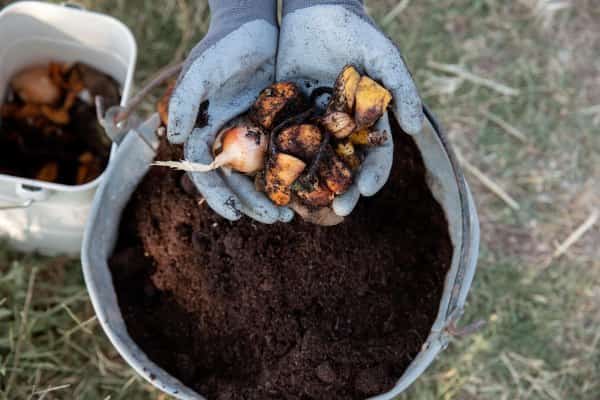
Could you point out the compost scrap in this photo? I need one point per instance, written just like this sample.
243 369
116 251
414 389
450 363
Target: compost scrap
286 311
48 125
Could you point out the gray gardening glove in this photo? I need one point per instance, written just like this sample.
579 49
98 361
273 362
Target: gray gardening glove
229 68
318 38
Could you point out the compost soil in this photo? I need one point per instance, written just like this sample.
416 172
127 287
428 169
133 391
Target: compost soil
288 311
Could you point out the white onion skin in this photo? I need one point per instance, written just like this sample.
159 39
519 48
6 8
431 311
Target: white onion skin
241 148
33 85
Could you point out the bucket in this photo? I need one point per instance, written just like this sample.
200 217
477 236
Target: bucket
132 162
49 218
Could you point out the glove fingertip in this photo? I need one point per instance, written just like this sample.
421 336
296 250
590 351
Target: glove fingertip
371 181
395 76
410 116
260 215
211 185
229 207
254 204
344 204
183 111
176 133
286 214
175 137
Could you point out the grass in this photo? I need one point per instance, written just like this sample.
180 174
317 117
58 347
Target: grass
542 339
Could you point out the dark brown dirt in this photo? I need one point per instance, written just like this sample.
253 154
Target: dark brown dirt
289 311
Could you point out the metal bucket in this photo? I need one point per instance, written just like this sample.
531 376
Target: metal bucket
40 216
133 160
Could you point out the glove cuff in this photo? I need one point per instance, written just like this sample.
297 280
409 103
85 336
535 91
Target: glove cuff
231 14
355 6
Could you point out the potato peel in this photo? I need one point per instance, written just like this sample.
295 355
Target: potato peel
275 103
302 141
344 90
336 175
282 170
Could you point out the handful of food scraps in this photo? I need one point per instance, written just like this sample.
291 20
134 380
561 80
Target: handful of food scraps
301 156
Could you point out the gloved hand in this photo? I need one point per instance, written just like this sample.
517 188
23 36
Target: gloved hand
229 68
318 38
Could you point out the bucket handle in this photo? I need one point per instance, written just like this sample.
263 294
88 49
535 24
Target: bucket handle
28 194
71 4
25 204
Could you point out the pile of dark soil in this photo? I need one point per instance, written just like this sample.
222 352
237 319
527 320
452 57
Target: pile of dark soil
289 311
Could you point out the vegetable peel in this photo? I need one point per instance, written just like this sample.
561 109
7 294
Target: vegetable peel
274 103
372 100
282 171
344 90
302 141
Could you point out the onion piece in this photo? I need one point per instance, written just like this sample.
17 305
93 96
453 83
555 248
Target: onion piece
33 85
241 148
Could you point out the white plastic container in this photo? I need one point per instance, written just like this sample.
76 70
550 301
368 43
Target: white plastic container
39 216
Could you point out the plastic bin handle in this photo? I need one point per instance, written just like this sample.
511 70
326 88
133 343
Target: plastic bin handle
25 204
30 192
71 4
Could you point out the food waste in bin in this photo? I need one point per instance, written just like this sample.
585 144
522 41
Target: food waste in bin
48 125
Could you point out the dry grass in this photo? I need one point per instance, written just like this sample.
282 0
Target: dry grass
516 85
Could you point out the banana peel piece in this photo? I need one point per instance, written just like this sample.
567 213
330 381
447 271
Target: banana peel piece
344 90
282 170
371 102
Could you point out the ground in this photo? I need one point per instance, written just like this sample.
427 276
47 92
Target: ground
516 85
